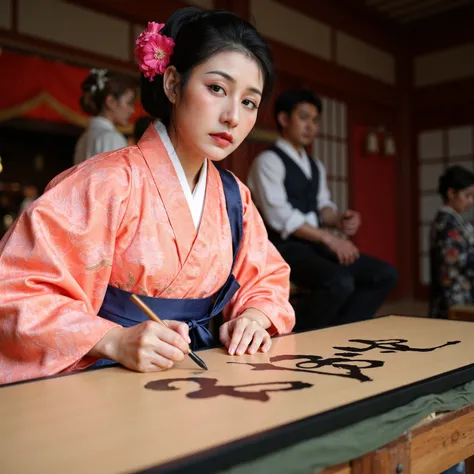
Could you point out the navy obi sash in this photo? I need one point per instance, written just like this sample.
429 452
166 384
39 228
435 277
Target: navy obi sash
197 313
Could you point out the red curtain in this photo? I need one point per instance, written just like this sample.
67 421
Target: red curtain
43 89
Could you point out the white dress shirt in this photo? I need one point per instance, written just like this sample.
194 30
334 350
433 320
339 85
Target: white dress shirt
267 184
195 198
99 136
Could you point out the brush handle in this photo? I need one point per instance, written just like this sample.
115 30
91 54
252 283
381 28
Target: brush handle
147 310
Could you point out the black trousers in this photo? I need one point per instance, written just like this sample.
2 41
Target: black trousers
336 294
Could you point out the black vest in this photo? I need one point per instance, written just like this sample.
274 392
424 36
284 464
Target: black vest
302 192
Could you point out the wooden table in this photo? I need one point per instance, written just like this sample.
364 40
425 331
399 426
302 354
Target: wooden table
185 420
429 448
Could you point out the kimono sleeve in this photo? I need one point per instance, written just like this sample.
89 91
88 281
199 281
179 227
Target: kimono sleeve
262 273
55 265
451 259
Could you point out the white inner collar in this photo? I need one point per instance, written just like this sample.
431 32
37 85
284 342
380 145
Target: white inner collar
195 199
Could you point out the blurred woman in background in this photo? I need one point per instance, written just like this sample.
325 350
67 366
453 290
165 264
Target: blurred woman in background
452 244
110 99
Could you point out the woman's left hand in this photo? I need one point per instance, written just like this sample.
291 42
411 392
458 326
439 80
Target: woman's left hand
247 333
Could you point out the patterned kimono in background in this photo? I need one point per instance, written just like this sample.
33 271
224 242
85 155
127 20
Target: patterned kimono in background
122 218
452 262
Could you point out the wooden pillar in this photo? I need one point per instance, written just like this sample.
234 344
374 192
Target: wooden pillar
407 234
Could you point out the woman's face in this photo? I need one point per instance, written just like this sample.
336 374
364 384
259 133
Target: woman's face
461 200
120 110
217 108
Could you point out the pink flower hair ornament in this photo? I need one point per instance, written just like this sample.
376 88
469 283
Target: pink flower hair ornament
153 50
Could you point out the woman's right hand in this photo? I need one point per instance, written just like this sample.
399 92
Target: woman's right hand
146 347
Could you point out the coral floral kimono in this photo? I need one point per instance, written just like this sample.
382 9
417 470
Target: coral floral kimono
122 219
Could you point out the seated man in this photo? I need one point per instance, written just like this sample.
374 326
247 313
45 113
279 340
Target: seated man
291 192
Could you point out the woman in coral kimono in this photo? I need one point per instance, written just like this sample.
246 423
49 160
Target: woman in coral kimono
158 219
452 244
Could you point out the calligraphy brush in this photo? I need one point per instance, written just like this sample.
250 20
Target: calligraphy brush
147 310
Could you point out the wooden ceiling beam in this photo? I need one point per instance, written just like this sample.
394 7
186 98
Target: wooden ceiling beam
158 11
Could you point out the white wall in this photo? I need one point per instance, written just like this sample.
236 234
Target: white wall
444 66
294 29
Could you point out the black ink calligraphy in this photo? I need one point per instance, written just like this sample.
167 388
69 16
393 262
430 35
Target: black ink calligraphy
389 345
345 363
209 388
351 368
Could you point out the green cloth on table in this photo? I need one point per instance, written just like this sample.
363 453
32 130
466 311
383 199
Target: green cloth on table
313 455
